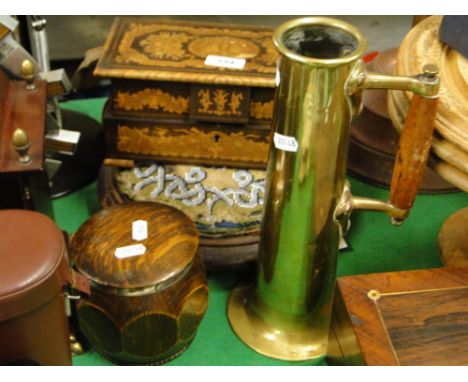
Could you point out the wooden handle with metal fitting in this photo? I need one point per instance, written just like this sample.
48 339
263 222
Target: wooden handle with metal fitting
413 151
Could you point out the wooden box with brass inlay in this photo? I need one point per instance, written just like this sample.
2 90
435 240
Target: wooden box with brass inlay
401 318
162 82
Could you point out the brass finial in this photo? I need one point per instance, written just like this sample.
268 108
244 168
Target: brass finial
22 144
28 71
430 72
75 346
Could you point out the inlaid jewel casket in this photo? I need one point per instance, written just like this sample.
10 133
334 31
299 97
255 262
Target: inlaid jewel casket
188 92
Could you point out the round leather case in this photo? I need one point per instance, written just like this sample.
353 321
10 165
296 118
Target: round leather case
33 272
144 308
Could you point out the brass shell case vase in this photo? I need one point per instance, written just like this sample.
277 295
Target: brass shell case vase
286 313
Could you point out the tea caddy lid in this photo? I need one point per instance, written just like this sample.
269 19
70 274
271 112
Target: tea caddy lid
33 261
170 246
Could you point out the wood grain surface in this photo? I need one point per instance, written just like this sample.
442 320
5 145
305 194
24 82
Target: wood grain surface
422 46
206 143
405 318
413 151
24 109
148 329
170 247
218 251
446 158
453 240
144 309
450 147
158 50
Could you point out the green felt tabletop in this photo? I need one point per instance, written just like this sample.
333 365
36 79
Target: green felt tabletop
374 246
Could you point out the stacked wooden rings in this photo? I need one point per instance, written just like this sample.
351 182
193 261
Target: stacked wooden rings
449 150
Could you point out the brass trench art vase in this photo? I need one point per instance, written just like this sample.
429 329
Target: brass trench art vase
286 313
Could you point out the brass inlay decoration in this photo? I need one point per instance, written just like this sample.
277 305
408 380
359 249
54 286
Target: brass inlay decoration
371 295
374 295
214 102
192 143
261 110
154 99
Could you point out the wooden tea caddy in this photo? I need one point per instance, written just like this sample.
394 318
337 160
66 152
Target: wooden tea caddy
143 309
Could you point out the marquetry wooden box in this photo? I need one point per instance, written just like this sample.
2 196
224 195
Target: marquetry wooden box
189 92
401 318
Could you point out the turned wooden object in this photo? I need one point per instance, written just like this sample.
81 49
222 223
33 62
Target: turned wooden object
143 309
413 151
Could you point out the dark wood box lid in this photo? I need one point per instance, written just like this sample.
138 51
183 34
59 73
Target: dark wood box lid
153 49
171 245
416 318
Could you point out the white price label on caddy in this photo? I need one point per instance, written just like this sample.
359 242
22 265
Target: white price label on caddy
130 251
225 62
140 230
286 143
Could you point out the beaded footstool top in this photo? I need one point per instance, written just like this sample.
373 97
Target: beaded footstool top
217 199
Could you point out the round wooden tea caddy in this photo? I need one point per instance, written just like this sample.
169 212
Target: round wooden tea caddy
142 309
218 251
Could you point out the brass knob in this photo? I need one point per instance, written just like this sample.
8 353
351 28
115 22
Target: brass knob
22 145
28 71
431 70
76 347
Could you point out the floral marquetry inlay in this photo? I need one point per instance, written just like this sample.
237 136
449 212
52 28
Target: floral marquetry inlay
154 99
261 110
165 45
223 46
192 143
219 102
152 49
180 46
